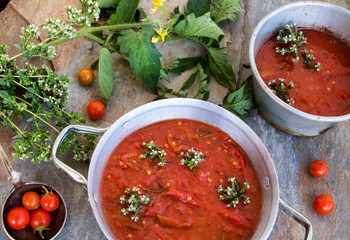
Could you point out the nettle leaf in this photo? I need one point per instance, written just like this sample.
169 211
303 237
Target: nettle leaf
241 101
143 57
200 27
106 74
221 68
125 12
226 9
107 3
189 82
198 7
181 65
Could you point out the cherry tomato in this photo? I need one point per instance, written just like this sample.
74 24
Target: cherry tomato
40 220
49 201
96 110
318 168
18 218
324 204
31 200
40 217
86 76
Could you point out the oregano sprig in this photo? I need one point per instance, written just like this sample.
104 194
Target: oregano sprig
191 158
234 192
308 60
290 35
154 152
135 201
281 90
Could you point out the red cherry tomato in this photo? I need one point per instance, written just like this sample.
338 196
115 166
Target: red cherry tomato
324 204
49 201
96 110
40 220
18 218
318 168
40 217
31 200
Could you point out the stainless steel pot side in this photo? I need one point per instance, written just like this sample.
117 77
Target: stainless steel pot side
174 109
304 14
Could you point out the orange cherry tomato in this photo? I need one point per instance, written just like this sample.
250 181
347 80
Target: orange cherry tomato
318 168
18 218
86 76
96 110
324 204
31 200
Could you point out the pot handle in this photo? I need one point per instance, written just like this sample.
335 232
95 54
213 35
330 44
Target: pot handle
284 206
78 177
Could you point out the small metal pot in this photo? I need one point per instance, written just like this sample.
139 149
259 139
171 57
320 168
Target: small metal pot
304 14
174 109
14 199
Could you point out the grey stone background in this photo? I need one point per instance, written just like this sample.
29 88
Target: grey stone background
291 155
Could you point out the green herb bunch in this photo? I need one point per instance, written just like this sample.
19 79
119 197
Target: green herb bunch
198 22
281 90
39 95
308 60
293 37
135 202
191 158
234 192
154 152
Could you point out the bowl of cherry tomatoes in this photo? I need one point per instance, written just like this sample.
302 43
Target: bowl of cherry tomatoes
33 211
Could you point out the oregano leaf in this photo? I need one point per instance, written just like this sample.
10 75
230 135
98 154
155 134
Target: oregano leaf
106 74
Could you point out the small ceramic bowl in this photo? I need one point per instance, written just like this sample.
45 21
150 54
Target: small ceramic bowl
304 14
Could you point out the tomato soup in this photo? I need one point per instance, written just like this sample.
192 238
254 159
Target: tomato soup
323 92
184 203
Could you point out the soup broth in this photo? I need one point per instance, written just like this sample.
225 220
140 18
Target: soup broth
184 203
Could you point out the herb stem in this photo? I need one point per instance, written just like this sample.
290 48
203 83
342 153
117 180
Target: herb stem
164 88
13 124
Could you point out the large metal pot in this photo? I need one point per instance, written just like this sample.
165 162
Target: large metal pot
304 14
174 109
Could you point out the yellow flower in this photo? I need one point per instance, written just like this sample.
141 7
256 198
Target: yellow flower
162 34
155 39
157 4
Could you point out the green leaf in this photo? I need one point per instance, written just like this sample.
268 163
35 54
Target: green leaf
163 75
143 57
105 74
200 27
125 12
226 9
189 82
198 7
241 101
221 68
107 3
181 65
142 12
204 78
206 96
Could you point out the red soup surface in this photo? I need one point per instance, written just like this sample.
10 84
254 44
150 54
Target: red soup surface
325 92
184 203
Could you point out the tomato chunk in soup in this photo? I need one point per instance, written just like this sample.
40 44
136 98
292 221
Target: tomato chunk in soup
184 203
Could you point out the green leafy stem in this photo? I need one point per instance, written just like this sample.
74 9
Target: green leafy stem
234 192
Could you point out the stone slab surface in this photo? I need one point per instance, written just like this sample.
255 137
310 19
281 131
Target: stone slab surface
291 155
